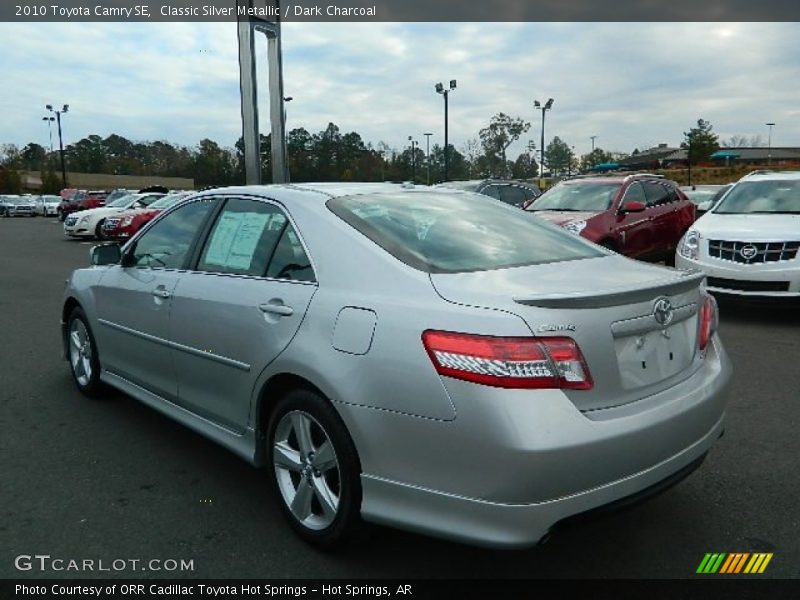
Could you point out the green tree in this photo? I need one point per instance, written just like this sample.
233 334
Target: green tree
557 156
595 157
525 167
33 156
700 141
502 131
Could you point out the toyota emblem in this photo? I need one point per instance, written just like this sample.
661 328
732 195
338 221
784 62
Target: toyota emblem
749 251
662 311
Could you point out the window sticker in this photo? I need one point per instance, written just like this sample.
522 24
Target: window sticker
235 239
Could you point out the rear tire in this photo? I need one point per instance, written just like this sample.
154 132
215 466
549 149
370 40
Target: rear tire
82 354
608 245
314 469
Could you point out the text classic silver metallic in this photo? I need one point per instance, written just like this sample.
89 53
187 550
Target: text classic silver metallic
431 360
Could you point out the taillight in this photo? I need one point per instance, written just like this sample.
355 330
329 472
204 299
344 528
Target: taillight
509 362
708 322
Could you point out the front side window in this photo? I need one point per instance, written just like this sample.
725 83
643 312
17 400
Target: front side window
656 193
578 196
765 197
635 193
168 242
243 238
448 233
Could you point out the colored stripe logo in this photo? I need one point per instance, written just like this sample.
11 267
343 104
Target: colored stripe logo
734 562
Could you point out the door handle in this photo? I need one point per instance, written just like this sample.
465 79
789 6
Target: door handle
161 293
276 309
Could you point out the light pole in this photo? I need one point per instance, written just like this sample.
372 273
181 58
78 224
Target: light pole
544 108
570 156
428 154
769 143
440 90
593 138
413 159
286 100
50 130
58 113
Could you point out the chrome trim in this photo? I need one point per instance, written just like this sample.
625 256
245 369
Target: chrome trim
648 323
230 362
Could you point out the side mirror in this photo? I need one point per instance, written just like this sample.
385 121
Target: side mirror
105 254
633 206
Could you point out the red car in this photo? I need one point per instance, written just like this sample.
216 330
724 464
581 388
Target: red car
70 202
123 225
93 199
641 215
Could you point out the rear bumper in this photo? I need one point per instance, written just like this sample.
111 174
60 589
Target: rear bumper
509 526
503 476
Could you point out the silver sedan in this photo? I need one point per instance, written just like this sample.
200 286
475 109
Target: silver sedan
430 360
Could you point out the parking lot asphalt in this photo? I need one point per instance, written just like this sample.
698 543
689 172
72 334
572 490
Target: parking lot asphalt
111 478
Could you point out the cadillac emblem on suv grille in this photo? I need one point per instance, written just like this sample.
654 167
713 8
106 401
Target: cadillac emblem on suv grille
748 252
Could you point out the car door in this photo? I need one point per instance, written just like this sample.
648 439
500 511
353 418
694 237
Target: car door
134 300
660 207
237 310
634 229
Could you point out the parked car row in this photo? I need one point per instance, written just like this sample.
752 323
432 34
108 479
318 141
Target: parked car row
17 206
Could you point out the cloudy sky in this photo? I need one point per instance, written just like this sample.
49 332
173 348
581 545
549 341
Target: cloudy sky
630 84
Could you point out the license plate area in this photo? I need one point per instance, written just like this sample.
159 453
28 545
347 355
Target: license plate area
649 357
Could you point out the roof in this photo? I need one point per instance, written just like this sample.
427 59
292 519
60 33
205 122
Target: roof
771 176
324 190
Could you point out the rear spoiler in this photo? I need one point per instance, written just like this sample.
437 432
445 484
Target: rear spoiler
684 282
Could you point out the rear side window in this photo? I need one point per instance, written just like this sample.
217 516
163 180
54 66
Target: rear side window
290 261
511 194
243 238
449 233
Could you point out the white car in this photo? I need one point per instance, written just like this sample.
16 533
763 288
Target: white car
47 206
89 223
748 244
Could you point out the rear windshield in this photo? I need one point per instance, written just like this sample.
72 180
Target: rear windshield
453 233
591 197
753 197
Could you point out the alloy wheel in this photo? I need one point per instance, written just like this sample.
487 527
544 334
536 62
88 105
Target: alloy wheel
80 352
307 470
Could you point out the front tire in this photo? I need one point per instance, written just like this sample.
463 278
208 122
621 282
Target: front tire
98 230
82 354
314 469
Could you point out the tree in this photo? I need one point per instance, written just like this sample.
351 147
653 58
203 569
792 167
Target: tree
502 131
701 142
558 156
33 156
471 151
525 167
595 157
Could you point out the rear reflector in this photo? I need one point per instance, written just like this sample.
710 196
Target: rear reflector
508 362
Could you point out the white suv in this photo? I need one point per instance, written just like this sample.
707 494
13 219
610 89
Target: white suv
749 243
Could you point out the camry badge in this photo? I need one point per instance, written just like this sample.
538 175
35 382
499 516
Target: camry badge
662 311
559 327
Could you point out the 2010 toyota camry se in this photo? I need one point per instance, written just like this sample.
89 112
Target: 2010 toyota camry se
430 360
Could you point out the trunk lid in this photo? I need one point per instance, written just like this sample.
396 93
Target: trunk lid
608 306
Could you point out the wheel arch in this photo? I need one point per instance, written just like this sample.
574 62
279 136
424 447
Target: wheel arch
70 304
273 389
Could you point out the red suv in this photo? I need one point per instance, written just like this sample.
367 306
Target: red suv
642 216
